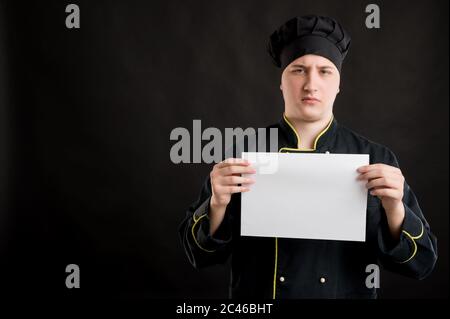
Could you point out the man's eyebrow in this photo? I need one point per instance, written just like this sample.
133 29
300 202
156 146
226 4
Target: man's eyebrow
306 67
298 66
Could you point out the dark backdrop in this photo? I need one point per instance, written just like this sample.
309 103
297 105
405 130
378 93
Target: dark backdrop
85 118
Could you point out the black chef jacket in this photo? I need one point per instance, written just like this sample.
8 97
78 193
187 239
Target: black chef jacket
282 268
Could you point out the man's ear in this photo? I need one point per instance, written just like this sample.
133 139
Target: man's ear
281 88
339 90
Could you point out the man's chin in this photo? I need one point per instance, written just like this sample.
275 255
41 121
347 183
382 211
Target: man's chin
310 115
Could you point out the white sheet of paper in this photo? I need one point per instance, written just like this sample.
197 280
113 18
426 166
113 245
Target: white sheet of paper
305 195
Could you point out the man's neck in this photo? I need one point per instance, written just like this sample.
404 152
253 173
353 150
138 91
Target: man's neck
308 131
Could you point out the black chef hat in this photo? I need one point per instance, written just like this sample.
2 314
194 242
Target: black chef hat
310 34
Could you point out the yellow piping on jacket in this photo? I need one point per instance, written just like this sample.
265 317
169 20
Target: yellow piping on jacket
293 149
413 239
298 137
193 233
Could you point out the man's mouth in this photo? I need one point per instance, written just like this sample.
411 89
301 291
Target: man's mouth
310 100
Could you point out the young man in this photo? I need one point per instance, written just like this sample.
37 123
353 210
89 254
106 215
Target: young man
310 50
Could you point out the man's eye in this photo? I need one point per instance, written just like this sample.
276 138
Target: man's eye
325 72
299 71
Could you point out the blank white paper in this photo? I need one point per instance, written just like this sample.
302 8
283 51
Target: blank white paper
307 195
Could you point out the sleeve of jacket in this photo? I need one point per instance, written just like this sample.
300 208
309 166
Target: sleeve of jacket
415 254
201 248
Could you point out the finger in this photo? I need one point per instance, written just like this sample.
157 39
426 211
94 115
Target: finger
389 182
386 192
233 161
378 173
236 189
371 174
234 180
378 166
230 170
384 171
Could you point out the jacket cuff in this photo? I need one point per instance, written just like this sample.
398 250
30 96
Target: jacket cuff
406 248
201 229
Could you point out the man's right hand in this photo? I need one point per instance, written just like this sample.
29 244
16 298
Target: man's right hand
225 178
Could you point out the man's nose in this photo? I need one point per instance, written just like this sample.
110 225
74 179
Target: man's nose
311 82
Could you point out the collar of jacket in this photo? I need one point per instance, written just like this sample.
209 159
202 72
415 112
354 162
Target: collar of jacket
292 137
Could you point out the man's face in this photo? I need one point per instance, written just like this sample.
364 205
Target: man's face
310 85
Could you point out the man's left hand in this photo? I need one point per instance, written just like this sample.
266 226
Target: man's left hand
386 182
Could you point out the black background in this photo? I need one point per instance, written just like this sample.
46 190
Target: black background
85 119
